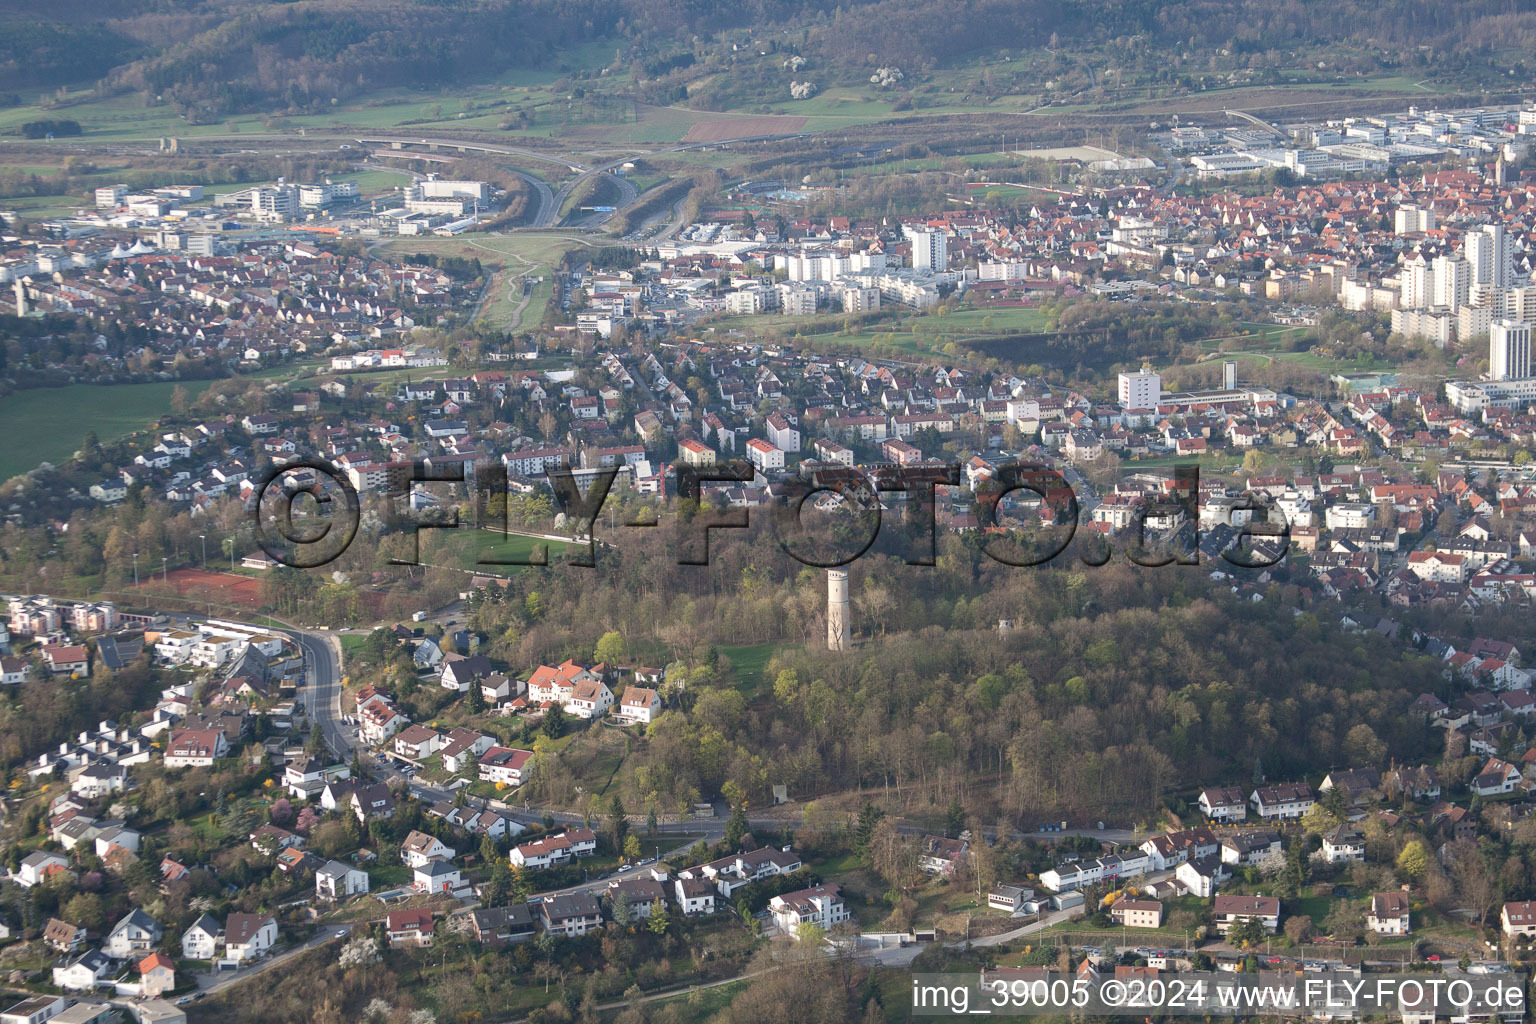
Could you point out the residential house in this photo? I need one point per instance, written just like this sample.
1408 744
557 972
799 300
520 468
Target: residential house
937 855
499 690
1518 920
556 849
641 894
135 933
589 699
270 838
497 926
504 765
462 747
821 906
639 704
248 936
695 896
417 742
1224 804
157 976
1283 802
460 672
34 1010
1230 910
1421 783
195 748
67 659
1202 876
570 914
733 871
408 928
1497 778
437 876
1389 914
1131 913
335 880
202 939
1009 899
421 848
82 971
1343 845
62 936
98 781
39 866
373 801
1358 785
1245 849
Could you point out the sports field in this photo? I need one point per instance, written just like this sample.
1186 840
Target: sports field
219 588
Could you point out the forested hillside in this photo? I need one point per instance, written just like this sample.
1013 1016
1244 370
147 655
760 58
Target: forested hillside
215 56
1115 688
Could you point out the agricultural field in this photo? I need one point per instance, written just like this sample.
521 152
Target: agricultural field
481 107
50 424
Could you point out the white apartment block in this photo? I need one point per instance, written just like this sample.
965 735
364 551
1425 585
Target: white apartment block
1509 351
1143 390
764 455
930 249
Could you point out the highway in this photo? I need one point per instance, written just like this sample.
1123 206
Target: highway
399 143
544 213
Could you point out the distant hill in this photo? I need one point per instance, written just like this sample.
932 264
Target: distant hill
214 57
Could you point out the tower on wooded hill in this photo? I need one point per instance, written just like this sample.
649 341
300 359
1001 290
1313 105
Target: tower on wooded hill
837 610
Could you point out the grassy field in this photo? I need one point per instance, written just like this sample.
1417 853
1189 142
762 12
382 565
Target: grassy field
989 320
50 424
464 548
750 662
515 257
480 107
376 180
908 331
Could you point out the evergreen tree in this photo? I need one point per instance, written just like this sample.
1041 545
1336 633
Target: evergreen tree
737 826
618 824
623 913
658 920
869 817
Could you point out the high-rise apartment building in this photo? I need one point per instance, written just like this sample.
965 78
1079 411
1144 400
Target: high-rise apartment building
1509 350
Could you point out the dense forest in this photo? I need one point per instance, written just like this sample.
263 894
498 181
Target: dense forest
214 56
1115 688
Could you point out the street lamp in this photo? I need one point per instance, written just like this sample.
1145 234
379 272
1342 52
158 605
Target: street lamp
164 575
204 538
135 568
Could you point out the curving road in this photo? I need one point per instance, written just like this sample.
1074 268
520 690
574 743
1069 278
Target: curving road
322 663
544 212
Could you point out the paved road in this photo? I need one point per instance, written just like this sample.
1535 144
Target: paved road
544 213
901 956
207 984
323 663
628 195
467 146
